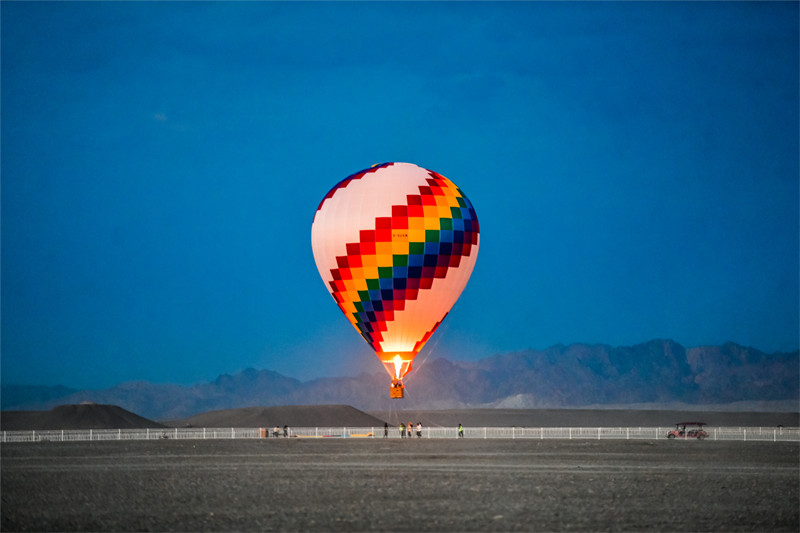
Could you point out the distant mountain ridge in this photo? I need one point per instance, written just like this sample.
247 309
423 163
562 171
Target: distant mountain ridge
29 394
658 371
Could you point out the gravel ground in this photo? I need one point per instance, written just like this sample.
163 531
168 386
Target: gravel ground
401 485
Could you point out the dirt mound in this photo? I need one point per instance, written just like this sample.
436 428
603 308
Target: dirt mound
289 415
18 420
75 416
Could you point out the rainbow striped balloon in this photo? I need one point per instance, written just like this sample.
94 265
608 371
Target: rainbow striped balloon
395 244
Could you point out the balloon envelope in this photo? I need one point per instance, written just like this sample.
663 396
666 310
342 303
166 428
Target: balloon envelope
395 245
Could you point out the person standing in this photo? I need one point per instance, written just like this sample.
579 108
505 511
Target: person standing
402 430
285 431
460 431
410 429
385 429
419 430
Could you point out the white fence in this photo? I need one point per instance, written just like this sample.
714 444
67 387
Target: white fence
652 433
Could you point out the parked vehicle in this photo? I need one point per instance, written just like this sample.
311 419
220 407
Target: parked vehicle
688 430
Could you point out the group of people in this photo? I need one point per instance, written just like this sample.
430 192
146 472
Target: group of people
404 430
276 431
409 430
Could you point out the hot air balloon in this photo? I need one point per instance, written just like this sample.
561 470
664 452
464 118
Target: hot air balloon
395 245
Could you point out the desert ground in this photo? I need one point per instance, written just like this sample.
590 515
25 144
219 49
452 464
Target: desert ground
587 417
99 416
400 485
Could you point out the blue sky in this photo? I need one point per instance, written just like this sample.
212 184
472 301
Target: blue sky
634 167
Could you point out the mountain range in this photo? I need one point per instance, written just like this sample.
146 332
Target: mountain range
578 375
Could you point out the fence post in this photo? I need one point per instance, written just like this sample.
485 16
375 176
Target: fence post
90 435
148 433
33 436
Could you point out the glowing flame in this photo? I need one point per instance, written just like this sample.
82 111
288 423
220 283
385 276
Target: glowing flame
398 365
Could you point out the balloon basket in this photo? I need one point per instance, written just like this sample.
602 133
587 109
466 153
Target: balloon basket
397 390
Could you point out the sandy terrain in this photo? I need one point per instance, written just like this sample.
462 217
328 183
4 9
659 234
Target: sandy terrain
587 418
98 416
292 415
401 485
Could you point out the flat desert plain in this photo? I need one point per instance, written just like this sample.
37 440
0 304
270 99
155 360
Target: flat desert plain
400 485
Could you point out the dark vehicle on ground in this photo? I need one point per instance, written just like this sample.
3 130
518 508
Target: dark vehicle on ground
688 430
